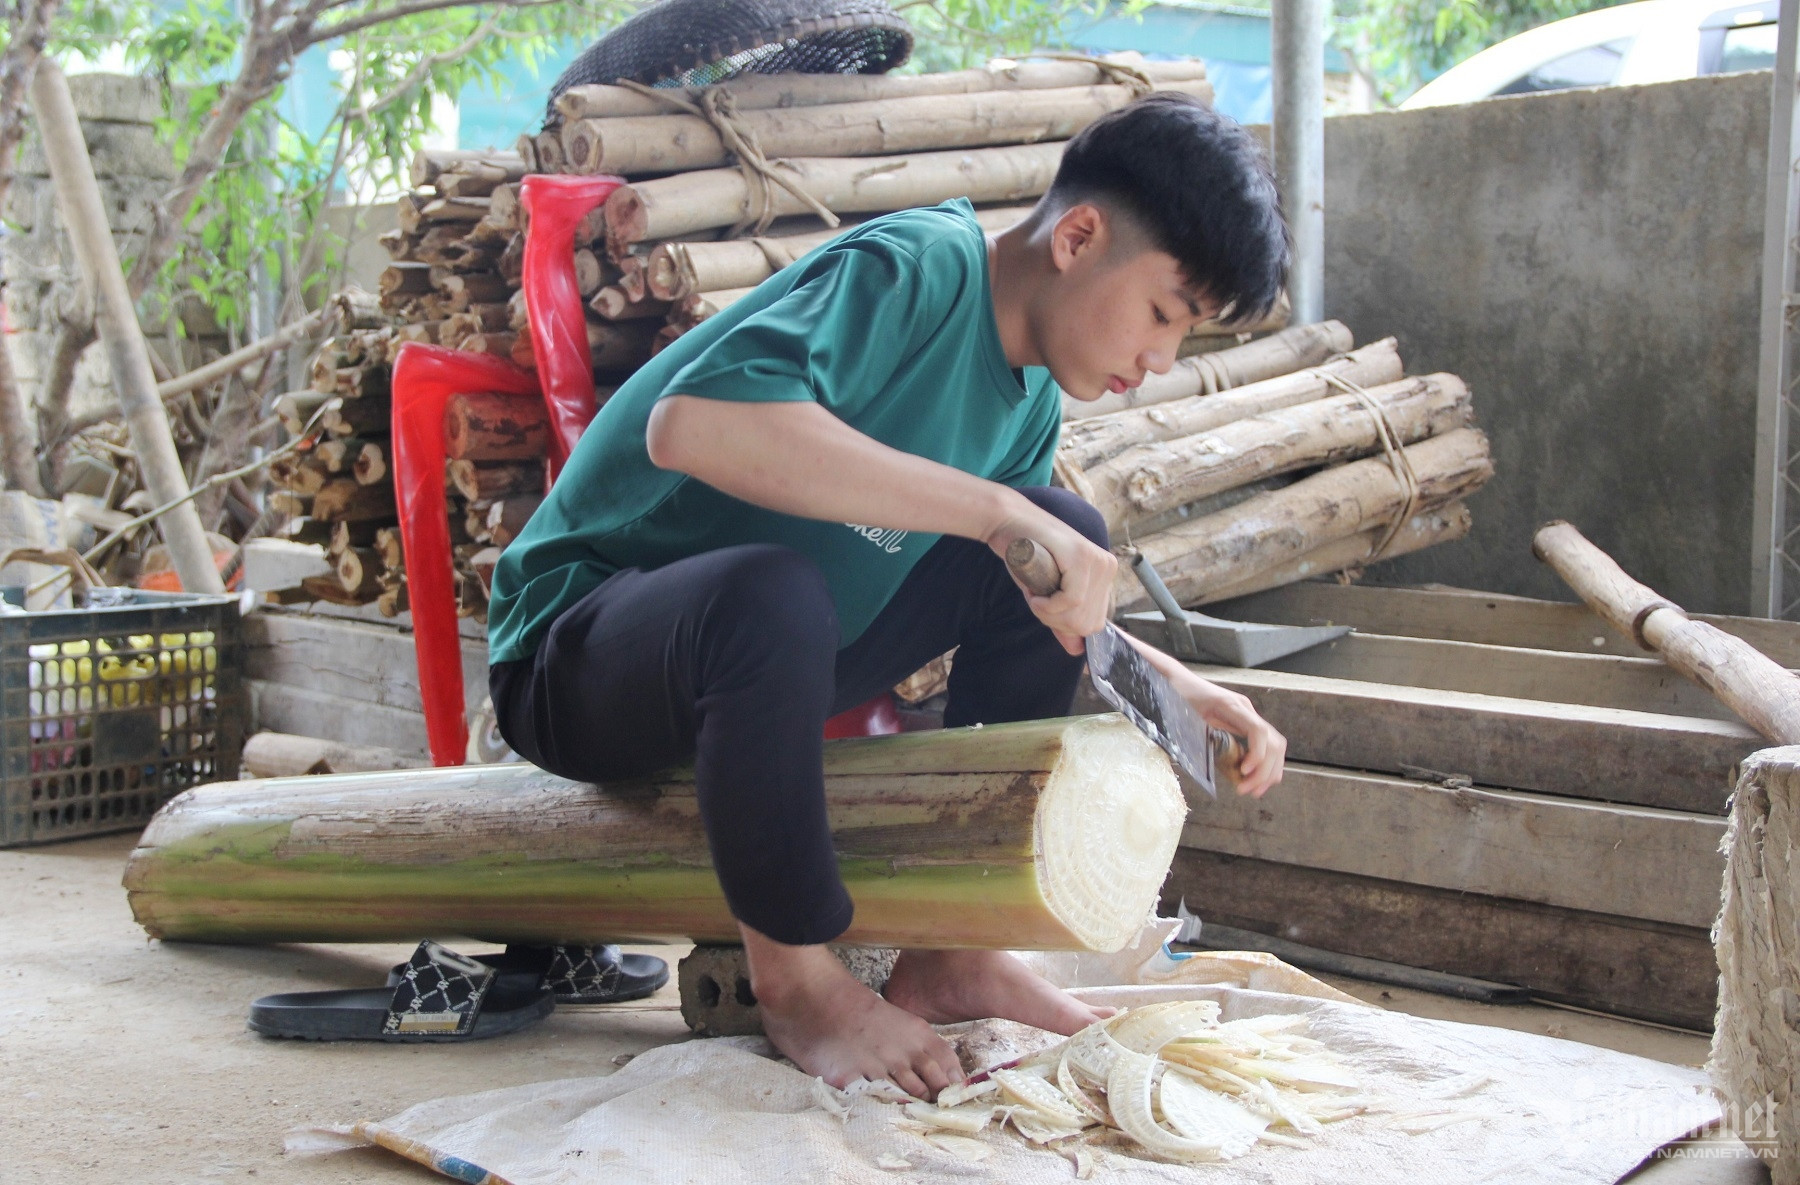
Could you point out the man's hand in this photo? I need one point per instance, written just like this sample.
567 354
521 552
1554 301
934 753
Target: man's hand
1265 751
1081 605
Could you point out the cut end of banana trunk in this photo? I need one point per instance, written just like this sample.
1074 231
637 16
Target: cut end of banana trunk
1107 827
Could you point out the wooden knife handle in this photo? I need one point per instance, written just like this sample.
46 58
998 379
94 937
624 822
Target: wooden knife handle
1034 567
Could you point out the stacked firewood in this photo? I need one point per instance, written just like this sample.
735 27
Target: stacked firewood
339 491
1289 457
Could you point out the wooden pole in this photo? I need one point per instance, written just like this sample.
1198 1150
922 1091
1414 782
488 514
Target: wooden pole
1294 348
709 198
1751 684
1090 441
677 142
676 270
1150 478
1234 545
84 217
760 91
1428 528
282 754
1050 834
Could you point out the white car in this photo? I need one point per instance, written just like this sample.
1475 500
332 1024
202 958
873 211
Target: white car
1652 41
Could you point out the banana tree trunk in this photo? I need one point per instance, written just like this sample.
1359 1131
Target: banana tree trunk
1053 835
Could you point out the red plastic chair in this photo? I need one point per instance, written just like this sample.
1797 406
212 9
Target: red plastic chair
425 377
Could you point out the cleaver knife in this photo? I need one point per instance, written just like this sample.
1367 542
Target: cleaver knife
1127 681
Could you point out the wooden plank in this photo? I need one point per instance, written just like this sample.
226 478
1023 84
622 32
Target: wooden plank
1600 680
1648 970
285 707
355 661
1468 616
1627 861
1638 758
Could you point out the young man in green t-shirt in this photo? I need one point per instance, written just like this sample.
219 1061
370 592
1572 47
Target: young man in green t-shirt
802 501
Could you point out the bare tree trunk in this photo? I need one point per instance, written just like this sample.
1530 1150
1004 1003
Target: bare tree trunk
30 23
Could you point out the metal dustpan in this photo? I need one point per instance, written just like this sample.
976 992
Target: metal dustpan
1197 637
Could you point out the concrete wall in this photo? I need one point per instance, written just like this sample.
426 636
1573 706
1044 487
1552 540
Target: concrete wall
134 167
1589 262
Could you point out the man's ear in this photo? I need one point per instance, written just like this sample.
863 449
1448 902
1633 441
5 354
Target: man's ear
1079 230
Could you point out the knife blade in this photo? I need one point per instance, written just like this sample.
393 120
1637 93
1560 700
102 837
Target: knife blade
1141 693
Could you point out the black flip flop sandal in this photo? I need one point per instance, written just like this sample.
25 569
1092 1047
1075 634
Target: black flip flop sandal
577 974
438 996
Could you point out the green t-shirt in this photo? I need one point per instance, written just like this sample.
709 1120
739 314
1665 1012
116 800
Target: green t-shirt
891 327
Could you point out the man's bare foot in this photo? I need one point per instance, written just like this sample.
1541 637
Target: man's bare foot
833 1027
946 986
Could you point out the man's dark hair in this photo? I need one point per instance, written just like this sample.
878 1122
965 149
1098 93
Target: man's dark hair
1197 185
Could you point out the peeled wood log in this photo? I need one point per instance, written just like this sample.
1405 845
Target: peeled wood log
346 535
1048 834
1748 682
1088 442
480 318
299 472
430 163
668 143
454 209
297 408
590 273
343 500
761 91
389 545
403 279
549 151
504 207
486 427
393 601
282 754
500 345
1234 545
1149 478
1280 353
710 198
507 517
704 305
675 270
1428 528
613 304
355 417
357 569
475 288
613 346
327 588
487 481
370 465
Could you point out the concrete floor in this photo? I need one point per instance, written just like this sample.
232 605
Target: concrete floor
128 1060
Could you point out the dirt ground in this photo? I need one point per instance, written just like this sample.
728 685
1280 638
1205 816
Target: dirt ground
126 1060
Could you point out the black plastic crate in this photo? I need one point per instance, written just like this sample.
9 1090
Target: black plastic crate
110 710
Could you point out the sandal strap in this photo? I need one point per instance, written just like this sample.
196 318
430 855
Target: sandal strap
439 992
584 970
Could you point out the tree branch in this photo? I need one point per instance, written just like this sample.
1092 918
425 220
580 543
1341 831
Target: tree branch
382 16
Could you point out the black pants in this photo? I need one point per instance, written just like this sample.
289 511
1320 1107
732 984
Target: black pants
731 658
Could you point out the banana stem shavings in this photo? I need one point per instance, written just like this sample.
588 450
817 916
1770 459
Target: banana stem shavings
1166 1081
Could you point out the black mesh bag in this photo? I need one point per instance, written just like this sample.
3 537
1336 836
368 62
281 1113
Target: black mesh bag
700 42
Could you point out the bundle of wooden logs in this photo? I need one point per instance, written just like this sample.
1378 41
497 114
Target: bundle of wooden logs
1217 488
1289 457
340 491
